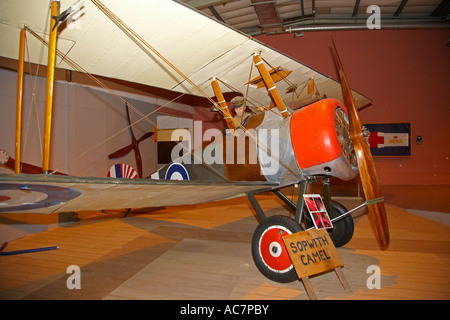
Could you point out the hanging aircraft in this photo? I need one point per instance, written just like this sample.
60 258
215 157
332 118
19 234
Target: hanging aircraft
296 139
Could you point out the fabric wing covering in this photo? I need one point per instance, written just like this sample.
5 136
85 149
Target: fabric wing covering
198 45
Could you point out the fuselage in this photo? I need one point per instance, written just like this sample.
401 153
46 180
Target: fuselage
312 141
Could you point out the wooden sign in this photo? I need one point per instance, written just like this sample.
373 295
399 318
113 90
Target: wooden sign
312 252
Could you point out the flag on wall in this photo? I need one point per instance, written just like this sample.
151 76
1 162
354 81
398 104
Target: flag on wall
390 139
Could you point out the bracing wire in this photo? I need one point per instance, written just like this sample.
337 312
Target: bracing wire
146 47
137 38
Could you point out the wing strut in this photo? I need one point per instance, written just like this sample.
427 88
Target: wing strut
270 85
19 102
49 90
223 105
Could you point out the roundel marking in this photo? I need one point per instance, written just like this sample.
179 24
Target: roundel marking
18 197
176 171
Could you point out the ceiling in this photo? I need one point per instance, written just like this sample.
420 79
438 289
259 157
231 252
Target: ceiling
255 17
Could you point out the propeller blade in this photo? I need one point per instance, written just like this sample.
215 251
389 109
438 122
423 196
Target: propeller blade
145 136
138 158
121 152
369 179
133 138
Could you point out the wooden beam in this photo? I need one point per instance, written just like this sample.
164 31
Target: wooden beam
216 14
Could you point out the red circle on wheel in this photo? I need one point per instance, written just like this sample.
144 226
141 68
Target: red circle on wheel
273 251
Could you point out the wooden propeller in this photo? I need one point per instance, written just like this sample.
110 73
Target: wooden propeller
134 145
369 179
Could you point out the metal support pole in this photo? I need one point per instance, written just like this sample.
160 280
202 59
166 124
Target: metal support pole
18 151
256 206
327 193
285 199
300 201
298 207
9 253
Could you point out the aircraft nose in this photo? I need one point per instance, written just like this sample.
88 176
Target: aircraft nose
313 134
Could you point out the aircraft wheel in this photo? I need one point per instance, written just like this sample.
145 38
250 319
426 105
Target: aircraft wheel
268 249
343 228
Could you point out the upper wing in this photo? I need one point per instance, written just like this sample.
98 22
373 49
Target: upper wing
196 44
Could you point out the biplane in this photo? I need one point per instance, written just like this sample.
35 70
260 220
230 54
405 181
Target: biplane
290 139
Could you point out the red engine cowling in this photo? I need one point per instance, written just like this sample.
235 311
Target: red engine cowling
322 146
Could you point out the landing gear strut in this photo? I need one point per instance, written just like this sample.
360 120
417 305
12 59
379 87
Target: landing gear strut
268 250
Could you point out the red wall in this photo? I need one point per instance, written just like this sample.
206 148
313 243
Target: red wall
407 75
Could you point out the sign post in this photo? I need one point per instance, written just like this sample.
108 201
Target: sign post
313 252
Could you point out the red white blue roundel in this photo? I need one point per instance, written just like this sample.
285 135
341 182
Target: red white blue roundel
176 171
122 170
19 197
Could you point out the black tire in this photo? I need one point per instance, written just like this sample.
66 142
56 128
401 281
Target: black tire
343 229
268 250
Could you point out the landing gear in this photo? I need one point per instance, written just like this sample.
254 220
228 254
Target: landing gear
268 250
342 231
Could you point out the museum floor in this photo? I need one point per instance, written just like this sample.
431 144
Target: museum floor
203 252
